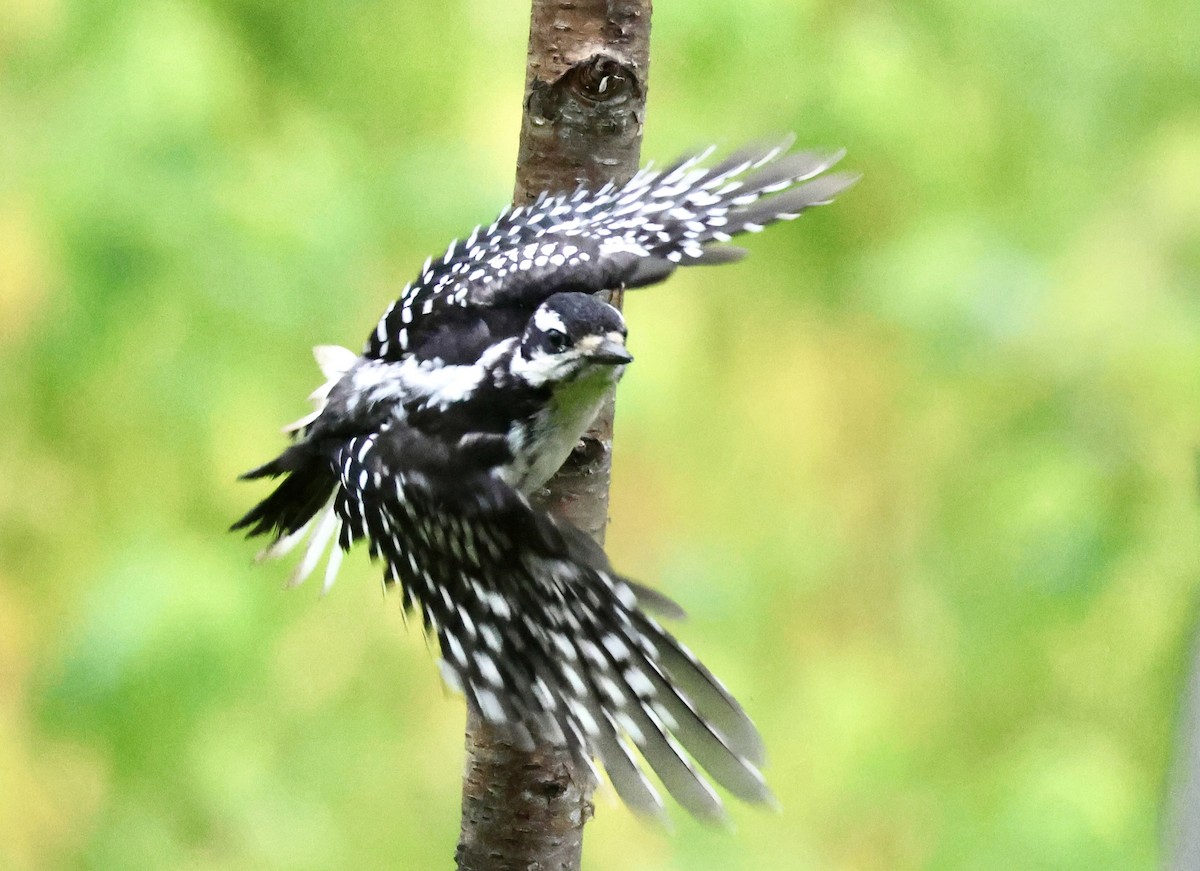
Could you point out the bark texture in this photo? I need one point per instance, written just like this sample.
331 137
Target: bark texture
585 99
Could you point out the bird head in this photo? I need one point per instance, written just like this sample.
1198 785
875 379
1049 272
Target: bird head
569 336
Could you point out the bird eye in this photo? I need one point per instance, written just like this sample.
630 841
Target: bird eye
557 339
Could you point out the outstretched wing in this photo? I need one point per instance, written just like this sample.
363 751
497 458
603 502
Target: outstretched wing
629 235
536 628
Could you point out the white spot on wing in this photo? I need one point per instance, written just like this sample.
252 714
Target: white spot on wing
489 706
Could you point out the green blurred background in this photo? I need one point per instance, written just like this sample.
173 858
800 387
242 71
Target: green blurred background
922 469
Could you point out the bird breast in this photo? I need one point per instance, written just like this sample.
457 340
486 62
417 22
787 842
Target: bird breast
542 442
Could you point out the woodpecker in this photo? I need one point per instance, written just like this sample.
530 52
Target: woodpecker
472 390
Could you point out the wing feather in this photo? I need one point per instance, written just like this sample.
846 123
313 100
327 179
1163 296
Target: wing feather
537 630
628 235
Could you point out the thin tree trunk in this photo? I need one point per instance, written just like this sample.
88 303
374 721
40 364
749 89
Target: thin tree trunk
585 99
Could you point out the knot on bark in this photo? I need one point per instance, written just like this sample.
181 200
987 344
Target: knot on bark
602 78
598 87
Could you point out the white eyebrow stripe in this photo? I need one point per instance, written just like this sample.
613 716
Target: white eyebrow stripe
545 320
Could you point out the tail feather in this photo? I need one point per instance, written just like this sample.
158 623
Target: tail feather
293 504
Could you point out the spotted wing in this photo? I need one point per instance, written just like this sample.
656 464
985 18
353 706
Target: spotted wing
590 240
535 627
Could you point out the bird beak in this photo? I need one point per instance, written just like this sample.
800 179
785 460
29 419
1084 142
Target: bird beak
611 351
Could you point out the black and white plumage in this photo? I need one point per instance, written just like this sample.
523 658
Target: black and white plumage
471 392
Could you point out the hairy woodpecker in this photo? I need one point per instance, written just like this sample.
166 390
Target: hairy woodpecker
470 393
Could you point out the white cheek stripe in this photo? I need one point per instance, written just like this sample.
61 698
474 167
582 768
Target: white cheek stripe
538 369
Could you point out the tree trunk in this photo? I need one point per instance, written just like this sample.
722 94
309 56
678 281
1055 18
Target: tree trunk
585 100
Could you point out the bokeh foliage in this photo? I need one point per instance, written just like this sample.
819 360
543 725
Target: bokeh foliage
922 469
